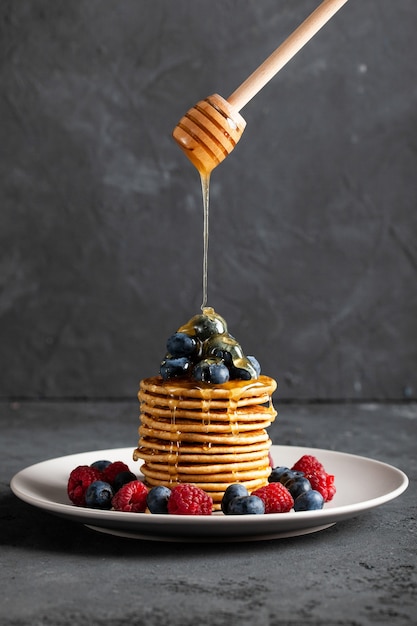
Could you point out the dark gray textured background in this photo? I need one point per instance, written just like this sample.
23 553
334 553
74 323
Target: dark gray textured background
313 253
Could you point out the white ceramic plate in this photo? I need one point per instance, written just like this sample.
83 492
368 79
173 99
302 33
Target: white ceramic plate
361 484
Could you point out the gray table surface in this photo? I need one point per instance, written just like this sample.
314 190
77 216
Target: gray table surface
360 571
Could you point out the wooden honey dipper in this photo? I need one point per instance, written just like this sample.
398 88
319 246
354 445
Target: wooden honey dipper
211 129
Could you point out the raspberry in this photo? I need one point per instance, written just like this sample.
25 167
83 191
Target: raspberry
314 471
110 472
131 497
188 499
79 480
276 497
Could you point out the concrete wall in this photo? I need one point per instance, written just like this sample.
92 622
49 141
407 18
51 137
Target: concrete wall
313 230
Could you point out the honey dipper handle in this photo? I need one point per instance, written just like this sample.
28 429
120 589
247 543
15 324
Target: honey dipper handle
289 48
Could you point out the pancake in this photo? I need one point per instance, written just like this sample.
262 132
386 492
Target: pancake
190 395
207 477
206 411
205 426
205 438
197 449
151 455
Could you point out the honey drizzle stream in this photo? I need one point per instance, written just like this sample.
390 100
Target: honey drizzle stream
205 188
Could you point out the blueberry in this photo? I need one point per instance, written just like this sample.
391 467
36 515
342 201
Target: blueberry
224 346
298 486
205 325
246 505
223 355
122 479
100 465
99 495
233 491
283 475
211 371
243 371
229 350
309 501
255 364
174 368
181 344
295 475
157 499
278 473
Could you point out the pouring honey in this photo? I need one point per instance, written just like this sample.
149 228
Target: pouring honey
209 131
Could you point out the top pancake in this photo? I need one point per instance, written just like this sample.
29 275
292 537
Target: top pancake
187 394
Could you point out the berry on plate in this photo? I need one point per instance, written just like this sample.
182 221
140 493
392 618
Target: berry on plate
99 495
309 501
298 485
100 465
283 474
188 499
131 497
79 479
276 498
122 479
314 471
246 505
235 490
157 499
110 472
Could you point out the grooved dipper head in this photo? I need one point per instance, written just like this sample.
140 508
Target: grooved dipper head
208 132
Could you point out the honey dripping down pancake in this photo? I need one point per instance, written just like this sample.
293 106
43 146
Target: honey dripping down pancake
203 419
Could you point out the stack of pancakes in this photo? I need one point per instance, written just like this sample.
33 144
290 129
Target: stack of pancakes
205 434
